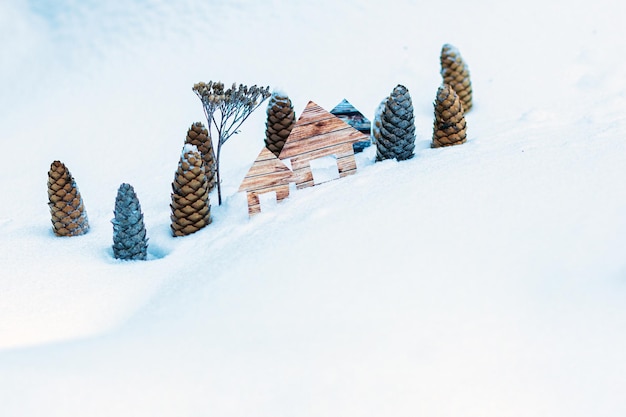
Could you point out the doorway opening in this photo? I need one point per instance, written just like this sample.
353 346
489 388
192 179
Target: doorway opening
324 169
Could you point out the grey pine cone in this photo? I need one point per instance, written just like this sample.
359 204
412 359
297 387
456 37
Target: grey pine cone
376 125
280 120
129 233
396 136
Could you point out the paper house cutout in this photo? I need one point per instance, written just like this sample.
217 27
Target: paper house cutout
316 134
349 114
267 174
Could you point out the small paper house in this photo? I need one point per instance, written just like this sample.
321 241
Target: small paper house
267 174
317 134
349 114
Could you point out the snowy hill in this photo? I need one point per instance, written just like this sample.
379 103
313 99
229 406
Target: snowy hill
486 279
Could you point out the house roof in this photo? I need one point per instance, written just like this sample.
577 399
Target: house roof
266 171
349 114
344 108
317 130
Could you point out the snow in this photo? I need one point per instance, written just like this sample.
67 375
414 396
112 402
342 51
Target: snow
324 169
188 147
486 279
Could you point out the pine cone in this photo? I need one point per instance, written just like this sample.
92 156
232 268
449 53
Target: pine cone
69 217
129 232
198 136
190 206
456 74
449 127
396 138
377 124
280 120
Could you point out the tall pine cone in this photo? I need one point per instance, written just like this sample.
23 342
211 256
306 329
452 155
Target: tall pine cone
198 136
280 120
69 217
129 232
190 206
449 127
456 74
396 137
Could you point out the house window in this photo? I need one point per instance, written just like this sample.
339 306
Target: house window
324 169
267 201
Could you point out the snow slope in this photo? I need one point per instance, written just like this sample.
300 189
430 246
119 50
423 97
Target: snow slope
486 279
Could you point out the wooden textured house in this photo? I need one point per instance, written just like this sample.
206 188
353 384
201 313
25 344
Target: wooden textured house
267 174
317 134
349 114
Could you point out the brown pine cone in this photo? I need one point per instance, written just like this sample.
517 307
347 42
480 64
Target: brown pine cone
190 206
449 127
456 74
198 136
69 217
280 120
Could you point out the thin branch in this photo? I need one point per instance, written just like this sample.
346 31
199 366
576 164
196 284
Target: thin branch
232 107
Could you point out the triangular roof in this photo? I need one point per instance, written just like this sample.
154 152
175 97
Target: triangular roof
344 108
349 114
266 171
317 129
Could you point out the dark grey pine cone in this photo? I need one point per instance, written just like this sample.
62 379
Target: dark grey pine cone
280 120
396 137
129 232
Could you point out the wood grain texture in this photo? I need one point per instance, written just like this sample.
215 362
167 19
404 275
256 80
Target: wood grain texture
304 176
346 165
254 203
266 171
317 134
339 151
349 114
266 174
318 129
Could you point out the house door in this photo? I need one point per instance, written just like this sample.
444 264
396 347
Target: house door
268 201
324 169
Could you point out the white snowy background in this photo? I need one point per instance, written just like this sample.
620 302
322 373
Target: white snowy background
487 279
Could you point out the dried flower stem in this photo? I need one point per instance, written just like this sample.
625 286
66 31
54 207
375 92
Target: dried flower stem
227 110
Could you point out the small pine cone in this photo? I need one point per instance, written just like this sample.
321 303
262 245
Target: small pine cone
129 232
280 120
377 123
456 74
69 217
449 127
198 136
190 206
396 137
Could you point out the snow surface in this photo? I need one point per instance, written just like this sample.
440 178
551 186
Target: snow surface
487 279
